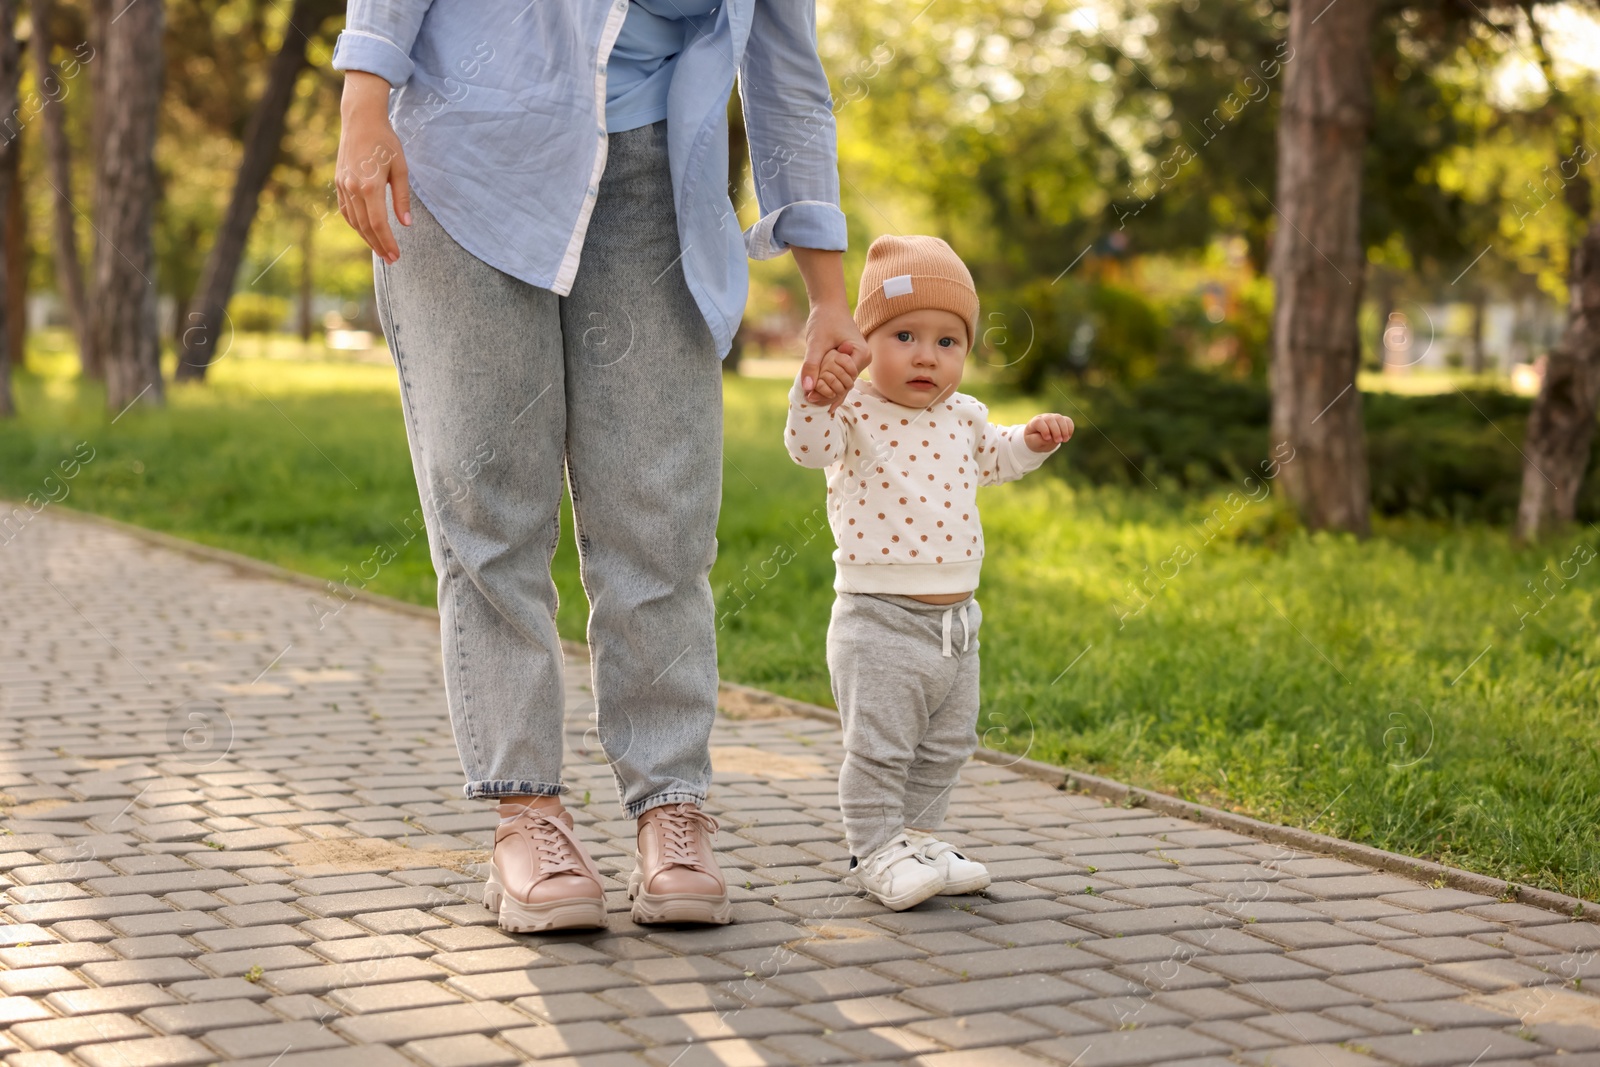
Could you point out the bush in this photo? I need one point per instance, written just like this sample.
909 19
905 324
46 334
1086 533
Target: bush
258 312
1451 456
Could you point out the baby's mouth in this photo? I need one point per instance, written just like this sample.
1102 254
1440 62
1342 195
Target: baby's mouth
921 381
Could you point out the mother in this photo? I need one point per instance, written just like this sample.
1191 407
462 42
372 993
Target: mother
559 272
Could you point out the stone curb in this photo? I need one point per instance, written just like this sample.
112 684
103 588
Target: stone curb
1425 871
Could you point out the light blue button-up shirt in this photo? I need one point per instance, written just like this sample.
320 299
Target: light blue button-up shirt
500 107
639 69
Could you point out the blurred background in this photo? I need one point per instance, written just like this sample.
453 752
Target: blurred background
1376 619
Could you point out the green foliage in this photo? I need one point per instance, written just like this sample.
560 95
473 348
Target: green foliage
1449 456
258 312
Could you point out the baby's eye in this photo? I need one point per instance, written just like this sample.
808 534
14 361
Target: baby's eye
947 341
903 335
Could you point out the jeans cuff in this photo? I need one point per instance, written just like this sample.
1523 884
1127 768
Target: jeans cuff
671 796
512 787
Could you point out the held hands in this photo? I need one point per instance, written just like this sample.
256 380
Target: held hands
837 374
1045 432
835 353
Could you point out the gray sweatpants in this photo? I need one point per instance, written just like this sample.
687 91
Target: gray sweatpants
905 678
507 389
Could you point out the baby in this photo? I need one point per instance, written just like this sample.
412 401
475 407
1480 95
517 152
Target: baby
904 454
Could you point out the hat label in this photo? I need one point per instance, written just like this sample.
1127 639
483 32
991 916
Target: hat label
899 285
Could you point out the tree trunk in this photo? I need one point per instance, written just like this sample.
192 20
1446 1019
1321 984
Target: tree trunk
1318 262
1477 358
308 231
99 16
58 164
10 143
203 325
16 253
1561 424
126 334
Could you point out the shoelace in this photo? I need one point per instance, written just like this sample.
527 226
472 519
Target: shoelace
677 823
552 841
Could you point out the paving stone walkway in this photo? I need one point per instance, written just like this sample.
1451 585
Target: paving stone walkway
233 832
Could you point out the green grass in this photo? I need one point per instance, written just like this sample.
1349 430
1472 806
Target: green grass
1386 691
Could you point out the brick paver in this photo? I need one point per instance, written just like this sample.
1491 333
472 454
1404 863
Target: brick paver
231 830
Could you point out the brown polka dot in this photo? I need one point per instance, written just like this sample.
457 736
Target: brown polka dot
936 455
969 551
925 445
852 555
947 503
880 514
941 522
886 552
884 426
924 537
903 500
880 470
886 485
808 418
852 522
860 536
895 537
794 433
948 537
894 444
913 552
902 422
908 520
964 515
964 485
923 499
936 559
913 459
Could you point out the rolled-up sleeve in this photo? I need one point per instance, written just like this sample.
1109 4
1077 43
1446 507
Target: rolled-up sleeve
377 38
788 113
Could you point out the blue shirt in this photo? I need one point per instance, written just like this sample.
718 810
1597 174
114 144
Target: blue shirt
639 70
500 107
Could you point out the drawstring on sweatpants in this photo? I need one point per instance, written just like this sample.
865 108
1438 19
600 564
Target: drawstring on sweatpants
966 635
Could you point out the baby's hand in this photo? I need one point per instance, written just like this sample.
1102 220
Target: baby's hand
836 375
1045 432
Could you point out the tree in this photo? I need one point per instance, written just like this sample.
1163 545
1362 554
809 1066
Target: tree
1561 422
58 160
10 143
263 139
1318 261
124 330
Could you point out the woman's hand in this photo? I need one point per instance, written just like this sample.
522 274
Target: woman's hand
829 326
370 159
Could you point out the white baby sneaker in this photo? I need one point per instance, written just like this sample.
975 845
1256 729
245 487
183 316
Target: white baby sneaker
896 875
961 875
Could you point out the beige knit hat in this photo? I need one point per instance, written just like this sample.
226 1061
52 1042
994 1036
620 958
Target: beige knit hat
910 273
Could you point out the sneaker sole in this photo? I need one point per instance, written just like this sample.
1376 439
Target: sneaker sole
519 918
677 907
909 899
971 885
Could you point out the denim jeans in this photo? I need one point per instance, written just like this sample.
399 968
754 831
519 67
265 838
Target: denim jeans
505 385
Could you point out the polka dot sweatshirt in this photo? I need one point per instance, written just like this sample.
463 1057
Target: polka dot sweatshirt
903 483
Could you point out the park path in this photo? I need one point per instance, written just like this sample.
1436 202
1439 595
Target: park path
233 831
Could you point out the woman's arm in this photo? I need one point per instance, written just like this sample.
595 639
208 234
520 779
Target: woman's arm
829 324
788 112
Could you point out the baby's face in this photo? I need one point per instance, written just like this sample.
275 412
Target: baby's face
918 357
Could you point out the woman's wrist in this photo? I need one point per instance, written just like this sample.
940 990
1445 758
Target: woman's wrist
823 271
363 91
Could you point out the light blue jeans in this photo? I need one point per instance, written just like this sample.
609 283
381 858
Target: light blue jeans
504 385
